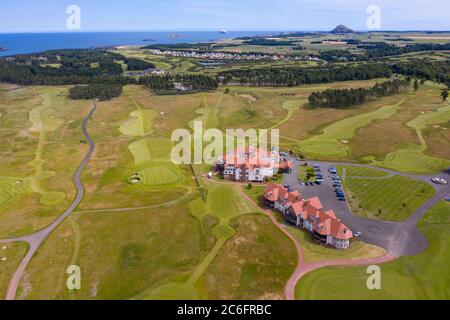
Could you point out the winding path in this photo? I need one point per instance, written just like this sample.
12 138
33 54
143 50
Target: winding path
35 240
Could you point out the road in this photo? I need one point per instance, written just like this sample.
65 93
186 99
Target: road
35 240
399 239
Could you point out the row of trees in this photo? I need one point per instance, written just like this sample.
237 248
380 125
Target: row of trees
290 76
179 83
67 67
96 91
379 50
346 98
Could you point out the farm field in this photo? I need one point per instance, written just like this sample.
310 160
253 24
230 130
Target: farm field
421 277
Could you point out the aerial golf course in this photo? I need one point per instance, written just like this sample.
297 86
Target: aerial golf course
146 230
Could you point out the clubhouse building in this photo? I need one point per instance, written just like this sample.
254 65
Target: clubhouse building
252 165
324 226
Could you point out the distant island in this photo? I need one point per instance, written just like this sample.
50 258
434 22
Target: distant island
3 48
341 29
148 40
174 36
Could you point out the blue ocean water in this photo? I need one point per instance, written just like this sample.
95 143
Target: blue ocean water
22 43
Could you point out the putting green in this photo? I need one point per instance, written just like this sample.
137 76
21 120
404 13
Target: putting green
329 143
141 123
159 173
411 157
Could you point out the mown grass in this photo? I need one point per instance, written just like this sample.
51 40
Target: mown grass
353 171
422 277
331 143
392 199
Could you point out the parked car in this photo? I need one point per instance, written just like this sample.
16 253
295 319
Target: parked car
336 185
448 199
357 234
439 181
342 199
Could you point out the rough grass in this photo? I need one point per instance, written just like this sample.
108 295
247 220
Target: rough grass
10 257
331 142
224 204
422 277
392 199
412 157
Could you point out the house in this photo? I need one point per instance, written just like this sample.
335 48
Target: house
325 227
252 165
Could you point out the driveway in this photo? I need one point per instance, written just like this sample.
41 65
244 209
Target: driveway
399 239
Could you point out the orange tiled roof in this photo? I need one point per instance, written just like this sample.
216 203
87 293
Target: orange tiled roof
324 223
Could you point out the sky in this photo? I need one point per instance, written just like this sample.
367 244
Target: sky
237 15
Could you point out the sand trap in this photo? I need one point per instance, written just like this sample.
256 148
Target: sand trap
248 97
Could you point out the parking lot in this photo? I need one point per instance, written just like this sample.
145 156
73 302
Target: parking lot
398 238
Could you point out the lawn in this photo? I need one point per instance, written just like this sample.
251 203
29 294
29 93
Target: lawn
353 171
422 277
392 199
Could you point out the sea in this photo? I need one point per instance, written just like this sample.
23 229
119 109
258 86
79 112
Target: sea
25 43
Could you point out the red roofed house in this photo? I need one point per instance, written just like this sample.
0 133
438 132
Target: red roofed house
251 164
325 227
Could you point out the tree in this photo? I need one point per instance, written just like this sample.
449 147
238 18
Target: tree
444 94
416 85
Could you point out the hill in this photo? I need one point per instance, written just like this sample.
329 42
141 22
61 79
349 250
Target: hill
342 29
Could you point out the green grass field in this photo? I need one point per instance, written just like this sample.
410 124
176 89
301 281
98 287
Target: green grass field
412 157
331 143
392 198
422 277
352 171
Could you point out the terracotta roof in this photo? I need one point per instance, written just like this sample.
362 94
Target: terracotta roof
324 223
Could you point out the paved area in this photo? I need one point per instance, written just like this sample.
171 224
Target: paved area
399 239
35 240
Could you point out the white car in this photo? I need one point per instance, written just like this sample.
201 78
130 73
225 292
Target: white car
358 234
439 181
